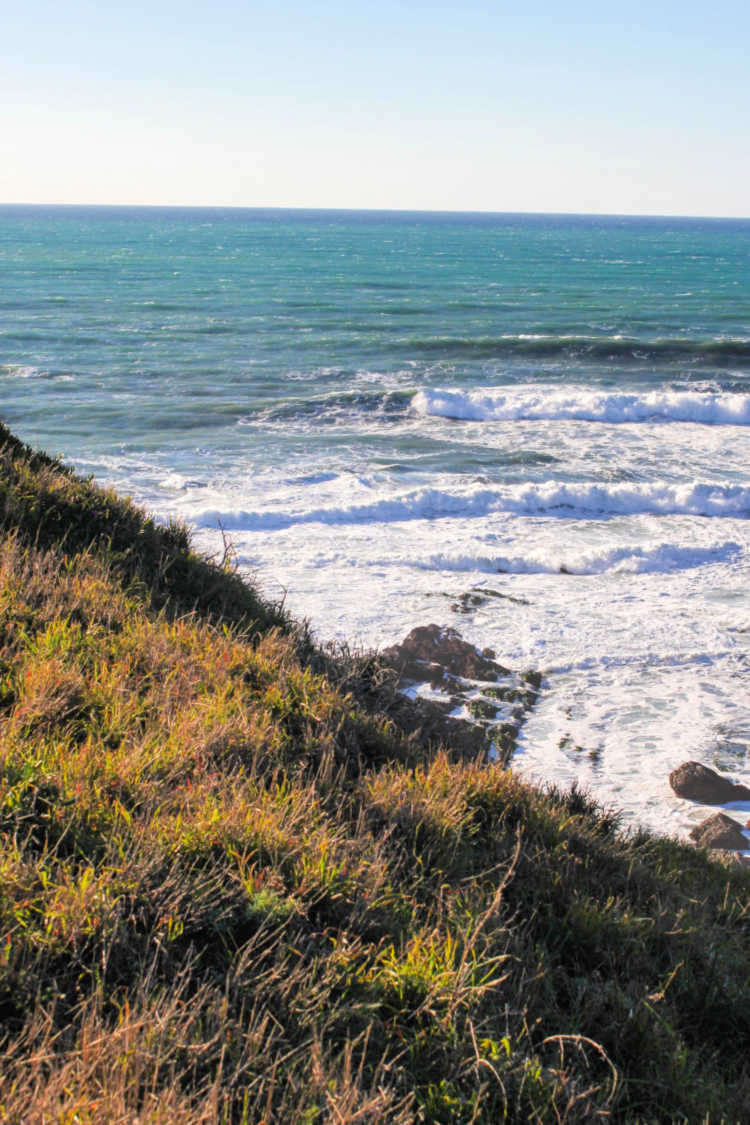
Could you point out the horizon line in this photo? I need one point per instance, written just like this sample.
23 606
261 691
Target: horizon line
375 210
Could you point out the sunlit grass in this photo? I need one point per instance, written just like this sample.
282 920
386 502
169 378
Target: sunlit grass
232 889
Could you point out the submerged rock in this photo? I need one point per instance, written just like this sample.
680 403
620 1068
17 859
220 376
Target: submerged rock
700 783
468 602
480 595
720 831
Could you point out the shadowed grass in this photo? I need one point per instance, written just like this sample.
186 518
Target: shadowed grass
232 889
46 504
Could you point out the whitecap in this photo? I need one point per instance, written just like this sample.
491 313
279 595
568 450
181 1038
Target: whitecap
662 559
20 371
550 498
546 404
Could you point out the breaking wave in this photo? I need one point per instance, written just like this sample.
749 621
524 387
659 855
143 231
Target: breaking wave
662 559
547 404
567 501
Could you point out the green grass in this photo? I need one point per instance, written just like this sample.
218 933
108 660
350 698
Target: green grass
235 887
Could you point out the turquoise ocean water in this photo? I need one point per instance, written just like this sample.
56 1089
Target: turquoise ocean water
387 410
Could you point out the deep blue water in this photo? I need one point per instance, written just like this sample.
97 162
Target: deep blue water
187 322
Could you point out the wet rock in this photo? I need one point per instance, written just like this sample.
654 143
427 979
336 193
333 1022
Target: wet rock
525 691
467 602
720 832
483 709
480 595
429 720
489 593
504 738
700 783
477 714
508 693
435 655
533 679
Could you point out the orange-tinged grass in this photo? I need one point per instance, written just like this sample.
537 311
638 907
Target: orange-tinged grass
232 891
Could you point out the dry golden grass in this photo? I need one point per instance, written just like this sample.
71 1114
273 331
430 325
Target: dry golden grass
231 890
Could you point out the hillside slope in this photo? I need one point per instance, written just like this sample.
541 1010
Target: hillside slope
234 890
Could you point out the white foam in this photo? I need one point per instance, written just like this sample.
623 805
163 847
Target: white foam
549 404
661 559
424 503
549 498
645 643
620 729
19 371
691 498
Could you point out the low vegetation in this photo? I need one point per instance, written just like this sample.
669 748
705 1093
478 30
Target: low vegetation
234 888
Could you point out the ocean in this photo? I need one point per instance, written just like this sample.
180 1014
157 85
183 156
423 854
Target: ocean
534 429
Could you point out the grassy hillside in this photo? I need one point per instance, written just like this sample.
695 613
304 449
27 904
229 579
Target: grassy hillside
234 889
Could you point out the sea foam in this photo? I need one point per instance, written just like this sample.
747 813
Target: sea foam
550 498
19 371
550 404
661 559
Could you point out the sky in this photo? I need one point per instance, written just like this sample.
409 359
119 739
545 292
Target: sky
470 105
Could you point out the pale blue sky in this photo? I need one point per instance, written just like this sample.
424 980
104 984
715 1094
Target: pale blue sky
589 107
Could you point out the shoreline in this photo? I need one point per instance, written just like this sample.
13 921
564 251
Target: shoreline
245 880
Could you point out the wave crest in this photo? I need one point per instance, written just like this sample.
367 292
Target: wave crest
551 498
509 405
661 559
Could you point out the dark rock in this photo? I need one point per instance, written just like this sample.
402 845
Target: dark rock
489 593
700 783
467 602
428 720
720 831
505 738
483 709
503 694
440 657
434 655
